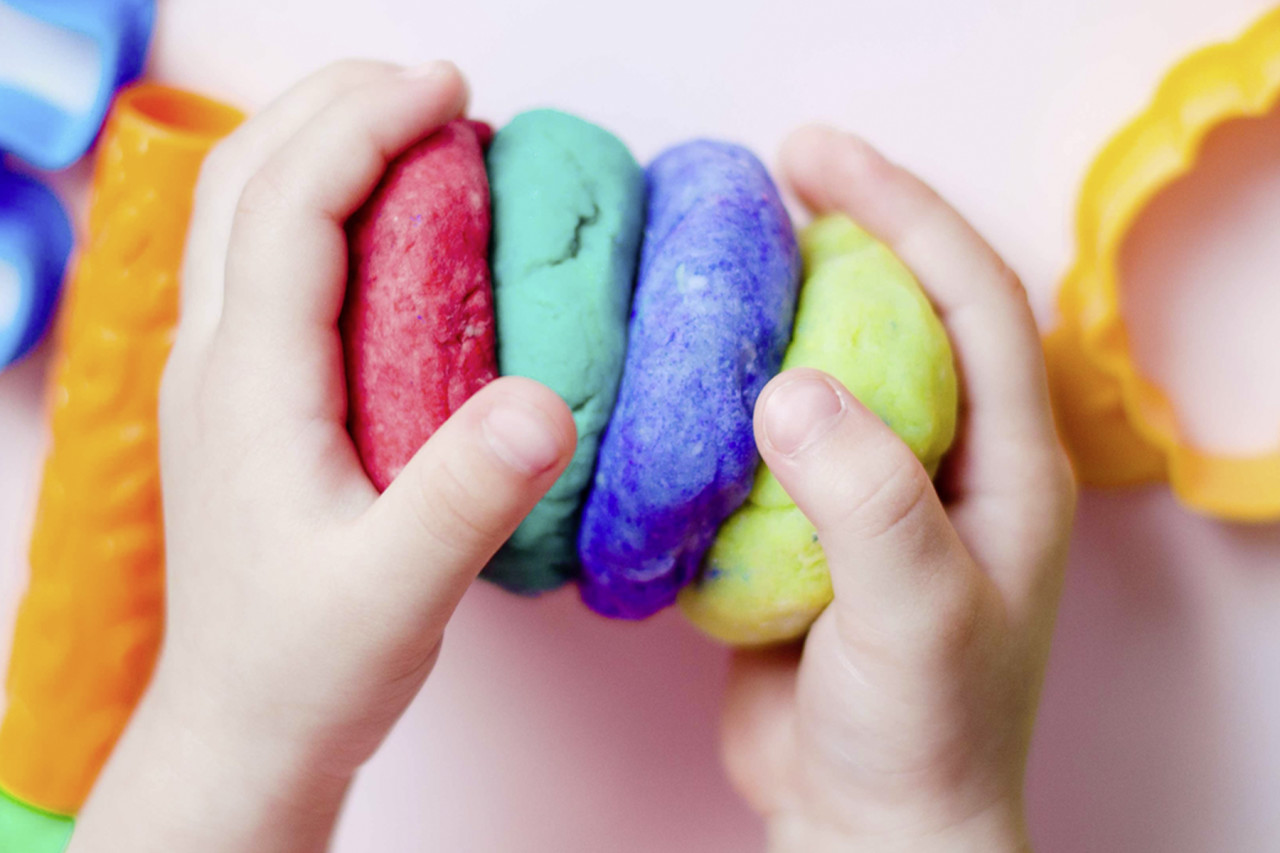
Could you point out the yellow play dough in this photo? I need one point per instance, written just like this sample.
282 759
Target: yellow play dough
862 318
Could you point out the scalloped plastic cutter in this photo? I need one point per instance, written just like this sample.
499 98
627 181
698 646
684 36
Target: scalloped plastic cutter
1119 426
48 135
35 241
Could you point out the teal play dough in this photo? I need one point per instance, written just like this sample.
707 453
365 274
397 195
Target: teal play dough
568 211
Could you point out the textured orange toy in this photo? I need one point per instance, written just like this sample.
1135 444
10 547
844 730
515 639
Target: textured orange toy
91 622
1120 427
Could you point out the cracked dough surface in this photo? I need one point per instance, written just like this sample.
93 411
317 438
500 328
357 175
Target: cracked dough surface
864 319
712 315
568 210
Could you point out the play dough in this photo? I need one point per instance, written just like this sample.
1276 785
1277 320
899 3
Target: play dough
568 210
863 319
710 322
418 323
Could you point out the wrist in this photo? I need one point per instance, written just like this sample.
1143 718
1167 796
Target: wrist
1001 828
185 777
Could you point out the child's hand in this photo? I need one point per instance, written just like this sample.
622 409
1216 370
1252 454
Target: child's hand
904 725
304 611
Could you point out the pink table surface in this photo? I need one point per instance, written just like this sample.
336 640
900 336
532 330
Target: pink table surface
545 729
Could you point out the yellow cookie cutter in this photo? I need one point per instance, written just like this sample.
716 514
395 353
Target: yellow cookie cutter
1119 427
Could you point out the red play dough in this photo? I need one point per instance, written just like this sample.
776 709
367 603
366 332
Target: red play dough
418 327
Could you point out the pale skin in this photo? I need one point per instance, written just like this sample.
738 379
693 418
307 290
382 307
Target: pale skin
306 611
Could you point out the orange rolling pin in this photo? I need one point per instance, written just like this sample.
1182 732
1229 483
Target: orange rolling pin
90 625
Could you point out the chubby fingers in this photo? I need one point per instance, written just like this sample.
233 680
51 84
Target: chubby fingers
897 566
1008 467
230 166
287 259
223 176
466 490
978 297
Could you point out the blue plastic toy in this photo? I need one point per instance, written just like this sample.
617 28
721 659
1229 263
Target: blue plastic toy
35 241
47 136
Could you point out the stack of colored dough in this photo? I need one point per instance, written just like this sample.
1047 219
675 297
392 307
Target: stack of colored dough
657 303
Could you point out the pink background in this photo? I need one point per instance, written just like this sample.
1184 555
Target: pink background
545 729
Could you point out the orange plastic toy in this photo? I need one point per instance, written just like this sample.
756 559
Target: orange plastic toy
91 622
1119 427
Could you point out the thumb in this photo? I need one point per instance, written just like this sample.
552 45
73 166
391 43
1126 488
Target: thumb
898 568
467 488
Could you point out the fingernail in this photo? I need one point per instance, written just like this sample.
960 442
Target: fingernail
799 412
522 437
435 68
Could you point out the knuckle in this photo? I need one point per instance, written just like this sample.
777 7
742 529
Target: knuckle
1051 489
263 196
892 505
441 503
406 671
1010 282
953 618
1063 484
216 172
956 623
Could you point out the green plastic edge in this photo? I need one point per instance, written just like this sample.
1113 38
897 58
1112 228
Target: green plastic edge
27 829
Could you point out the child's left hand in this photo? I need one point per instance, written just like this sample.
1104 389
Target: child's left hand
905 722
304 610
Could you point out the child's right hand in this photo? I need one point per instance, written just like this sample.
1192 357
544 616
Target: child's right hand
905 723
304 609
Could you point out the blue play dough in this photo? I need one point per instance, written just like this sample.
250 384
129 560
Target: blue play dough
711 318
